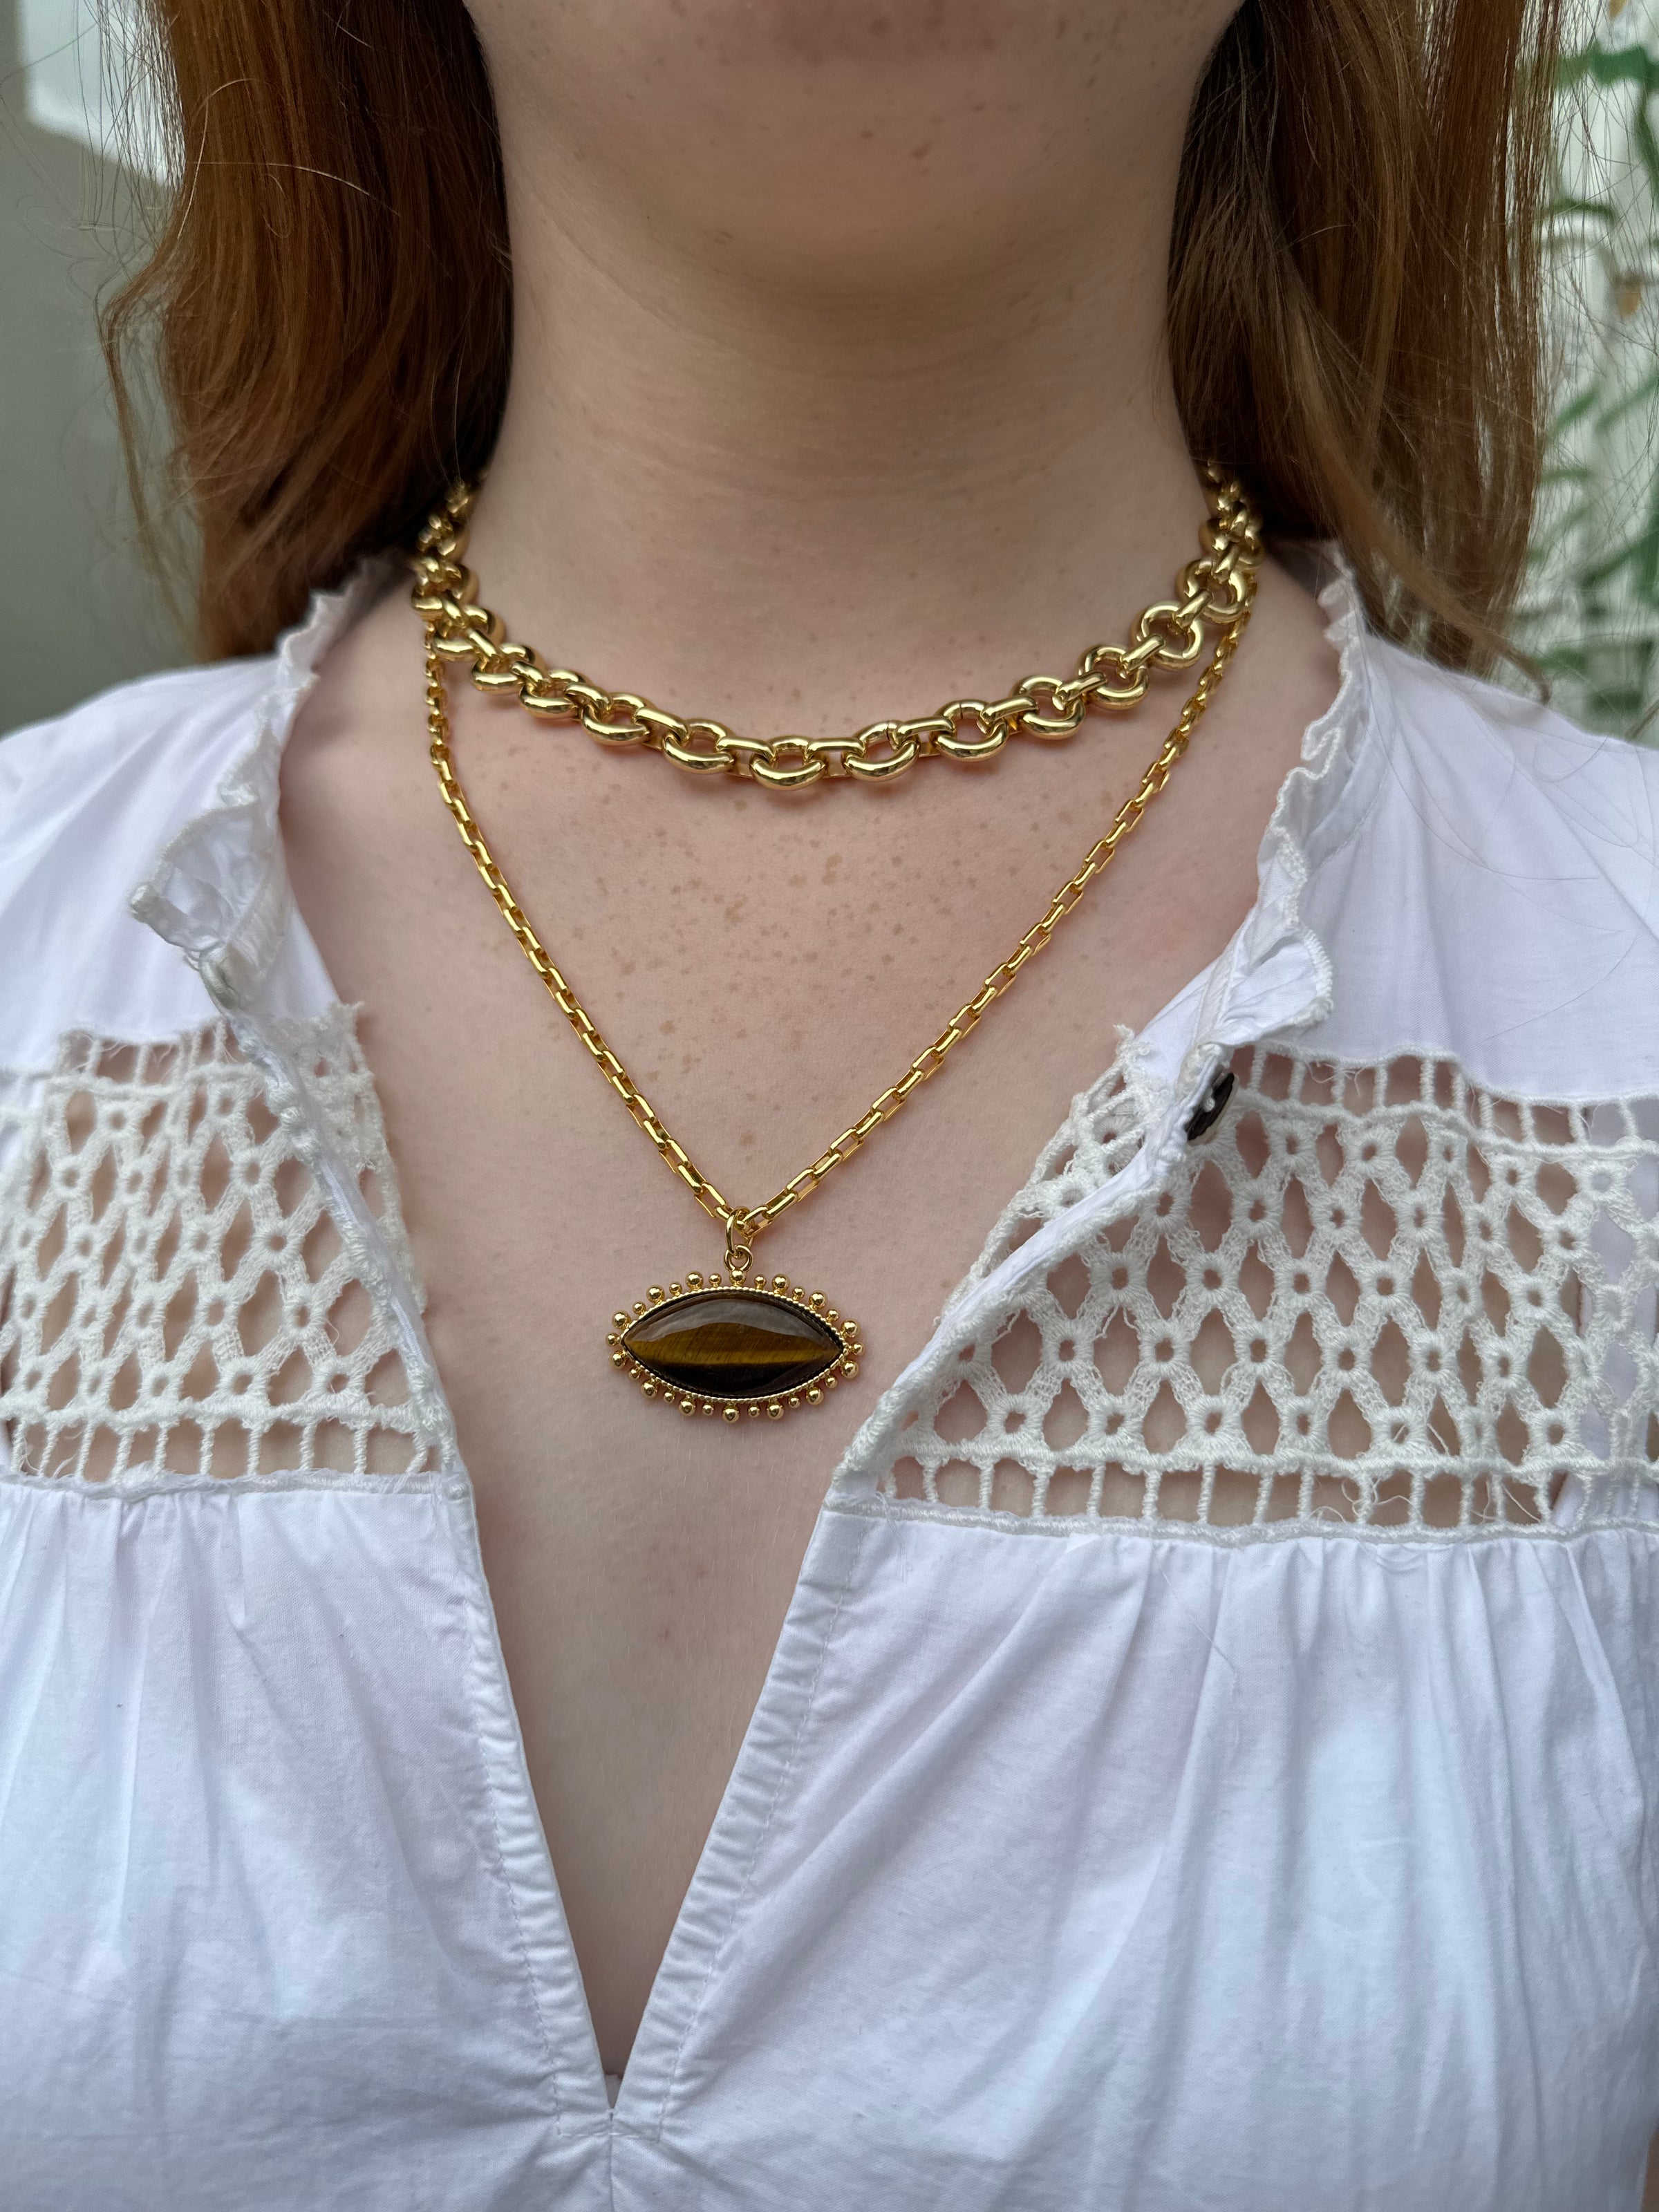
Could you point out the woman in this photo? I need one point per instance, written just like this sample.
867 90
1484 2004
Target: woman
1200 1752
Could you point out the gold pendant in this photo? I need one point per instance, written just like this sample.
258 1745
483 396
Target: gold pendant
718 1345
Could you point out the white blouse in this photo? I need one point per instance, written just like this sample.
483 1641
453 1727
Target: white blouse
1161 1864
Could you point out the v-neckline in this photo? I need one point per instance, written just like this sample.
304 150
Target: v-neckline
720 1883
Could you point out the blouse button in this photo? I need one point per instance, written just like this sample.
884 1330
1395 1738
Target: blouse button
1214 1106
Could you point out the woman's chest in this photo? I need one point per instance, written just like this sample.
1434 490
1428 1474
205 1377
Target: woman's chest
763 982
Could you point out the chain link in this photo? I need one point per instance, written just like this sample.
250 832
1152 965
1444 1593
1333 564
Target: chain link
744 1225
1210 592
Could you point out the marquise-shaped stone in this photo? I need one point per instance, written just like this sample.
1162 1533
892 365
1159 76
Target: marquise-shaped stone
732 1344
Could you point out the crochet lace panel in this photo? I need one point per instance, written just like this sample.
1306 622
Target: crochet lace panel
1371 1295
175 1295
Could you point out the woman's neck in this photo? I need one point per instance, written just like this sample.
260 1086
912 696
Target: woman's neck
801 485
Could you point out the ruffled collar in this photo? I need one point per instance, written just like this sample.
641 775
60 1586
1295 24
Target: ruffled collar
219 888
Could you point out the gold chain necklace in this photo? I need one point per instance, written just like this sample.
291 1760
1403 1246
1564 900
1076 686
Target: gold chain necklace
719 1343
1211 590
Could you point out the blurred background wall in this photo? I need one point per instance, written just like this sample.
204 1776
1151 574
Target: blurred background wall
76 611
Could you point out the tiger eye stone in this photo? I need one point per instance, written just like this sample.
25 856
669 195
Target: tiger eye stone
732 1344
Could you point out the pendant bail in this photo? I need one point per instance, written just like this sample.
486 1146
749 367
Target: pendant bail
739 1255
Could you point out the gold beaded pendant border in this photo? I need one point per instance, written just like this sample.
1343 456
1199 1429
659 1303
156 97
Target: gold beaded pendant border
774 1404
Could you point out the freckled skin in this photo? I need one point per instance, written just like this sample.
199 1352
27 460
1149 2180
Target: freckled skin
838 392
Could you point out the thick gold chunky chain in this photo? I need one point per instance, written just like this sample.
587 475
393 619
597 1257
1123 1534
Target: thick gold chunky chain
1211 590
743 1225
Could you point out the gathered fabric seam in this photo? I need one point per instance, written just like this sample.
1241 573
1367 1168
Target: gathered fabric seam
1243 1535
